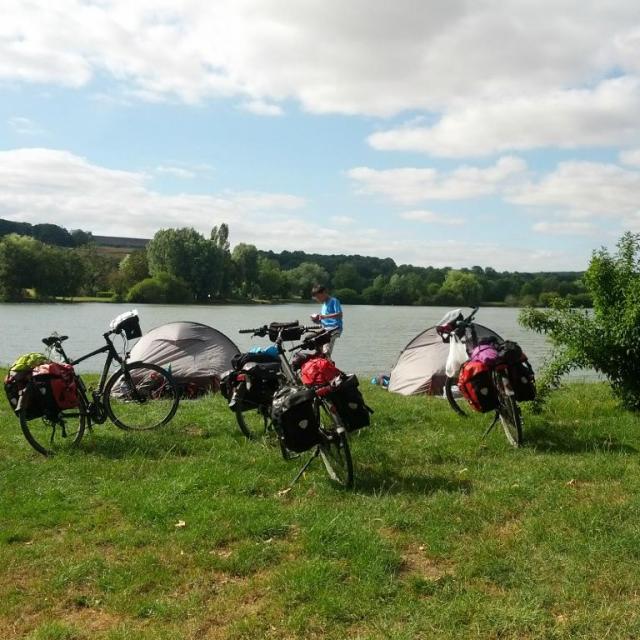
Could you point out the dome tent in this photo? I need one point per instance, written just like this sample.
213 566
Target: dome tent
195 353
420 369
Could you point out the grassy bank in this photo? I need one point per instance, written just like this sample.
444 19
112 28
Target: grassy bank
445 536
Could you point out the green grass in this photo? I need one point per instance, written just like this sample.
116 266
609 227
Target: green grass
445 536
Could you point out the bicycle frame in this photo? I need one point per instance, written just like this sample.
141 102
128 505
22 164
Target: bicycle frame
94 404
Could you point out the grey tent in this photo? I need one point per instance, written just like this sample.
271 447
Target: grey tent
196 353
420 369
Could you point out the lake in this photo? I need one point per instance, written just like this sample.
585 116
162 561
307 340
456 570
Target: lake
373 337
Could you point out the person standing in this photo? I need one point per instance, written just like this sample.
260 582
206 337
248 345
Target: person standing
330 316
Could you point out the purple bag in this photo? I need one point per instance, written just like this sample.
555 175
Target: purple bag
485 353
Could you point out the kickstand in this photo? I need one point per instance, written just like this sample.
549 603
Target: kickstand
493 424
307 464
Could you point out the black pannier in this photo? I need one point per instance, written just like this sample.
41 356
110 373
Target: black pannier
523 381
16 383
510 352
241 359
350 405
295 418
251 387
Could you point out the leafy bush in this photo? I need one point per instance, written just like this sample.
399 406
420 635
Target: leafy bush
348 296
607 339
161 289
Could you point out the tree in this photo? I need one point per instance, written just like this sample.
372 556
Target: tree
245 259
134 267
346 276
19 266
187 255
607 340
271 279
462 288
161 289
304 277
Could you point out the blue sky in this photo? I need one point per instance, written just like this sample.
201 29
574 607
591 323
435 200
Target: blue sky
451 133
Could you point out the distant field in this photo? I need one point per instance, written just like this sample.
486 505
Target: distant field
445 536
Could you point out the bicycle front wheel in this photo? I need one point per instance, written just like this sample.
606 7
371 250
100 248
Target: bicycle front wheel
50 435
254 424
455 401
141 397
334 448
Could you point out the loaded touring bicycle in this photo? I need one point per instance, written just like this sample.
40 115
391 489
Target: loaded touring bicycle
492 374
55 406
273 394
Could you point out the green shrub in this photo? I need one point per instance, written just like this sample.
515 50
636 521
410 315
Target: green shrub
607 339
161 289
348 296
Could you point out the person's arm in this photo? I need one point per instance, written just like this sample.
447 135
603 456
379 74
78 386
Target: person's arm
336 311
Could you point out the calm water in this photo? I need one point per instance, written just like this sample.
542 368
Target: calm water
373 337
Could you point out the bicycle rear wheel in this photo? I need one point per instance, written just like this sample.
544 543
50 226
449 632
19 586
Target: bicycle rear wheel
141 397
334 448
254 424
511 419
52 435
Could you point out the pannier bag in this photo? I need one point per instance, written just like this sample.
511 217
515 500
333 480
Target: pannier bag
485 353
17 379
55 386
511 353
350 405
476 385
241 359
129 323
295 418
523 381
319 370
252 386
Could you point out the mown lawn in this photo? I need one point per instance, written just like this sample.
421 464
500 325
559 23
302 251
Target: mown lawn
445 536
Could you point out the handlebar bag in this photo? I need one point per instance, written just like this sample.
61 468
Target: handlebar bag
476 385
56 387
289 331
319 370
295 418
350 405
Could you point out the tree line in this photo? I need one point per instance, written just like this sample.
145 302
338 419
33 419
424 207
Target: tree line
183 266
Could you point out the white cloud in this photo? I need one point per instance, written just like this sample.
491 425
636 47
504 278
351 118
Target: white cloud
410 185
567 228
343 221
429 217
331 56
262 108
584 190
604 116
630 157
176 172
25 126
57 186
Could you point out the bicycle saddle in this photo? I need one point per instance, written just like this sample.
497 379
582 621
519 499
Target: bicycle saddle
51 340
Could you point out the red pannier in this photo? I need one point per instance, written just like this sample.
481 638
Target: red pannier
318 371
476 385
56 383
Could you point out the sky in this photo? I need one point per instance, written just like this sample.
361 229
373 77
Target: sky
454 133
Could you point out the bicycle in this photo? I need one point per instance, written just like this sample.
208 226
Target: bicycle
139 396
508 411
333 447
